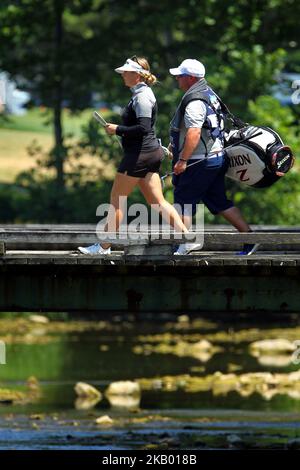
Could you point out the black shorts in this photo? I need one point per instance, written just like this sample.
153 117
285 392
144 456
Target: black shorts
141 164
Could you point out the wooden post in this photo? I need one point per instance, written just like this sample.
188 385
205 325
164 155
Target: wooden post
2 248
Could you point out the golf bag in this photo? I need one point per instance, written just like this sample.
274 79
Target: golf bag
259 161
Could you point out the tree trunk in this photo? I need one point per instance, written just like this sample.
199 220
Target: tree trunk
58 96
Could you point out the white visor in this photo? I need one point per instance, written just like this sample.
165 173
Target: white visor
130 66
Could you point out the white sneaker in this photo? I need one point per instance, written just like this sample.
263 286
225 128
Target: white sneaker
95 249
186 248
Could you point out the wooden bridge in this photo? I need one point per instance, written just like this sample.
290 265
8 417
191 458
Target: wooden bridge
41 271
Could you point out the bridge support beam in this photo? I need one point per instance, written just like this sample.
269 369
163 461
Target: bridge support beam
149 288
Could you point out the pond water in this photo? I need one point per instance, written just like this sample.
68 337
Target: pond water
191 397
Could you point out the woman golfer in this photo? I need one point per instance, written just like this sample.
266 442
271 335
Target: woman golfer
142 152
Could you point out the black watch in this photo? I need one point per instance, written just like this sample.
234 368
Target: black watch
182 160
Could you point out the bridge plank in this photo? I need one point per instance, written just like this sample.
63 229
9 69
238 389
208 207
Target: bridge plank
144 238
189 260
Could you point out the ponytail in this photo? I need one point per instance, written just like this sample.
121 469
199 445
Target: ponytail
146 75
148 78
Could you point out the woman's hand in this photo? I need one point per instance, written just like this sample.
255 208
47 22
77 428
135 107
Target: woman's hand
170 150
110 129
179 167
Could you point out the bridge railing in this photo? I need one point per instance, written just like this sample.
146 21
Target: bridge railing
60 237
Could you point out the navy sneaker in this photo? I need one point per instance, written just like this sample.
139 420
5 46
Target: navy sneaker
249 249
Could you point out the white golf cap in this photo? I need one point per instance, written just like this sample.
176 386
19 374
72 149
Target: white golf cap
130 66
189 67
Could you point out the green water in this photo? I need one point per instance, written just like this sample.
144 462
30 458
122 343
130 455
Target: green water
176 419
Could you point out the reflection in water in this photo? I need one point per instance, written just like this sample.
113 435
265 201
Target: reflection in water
265 384
86 403
278 360
124 394
179 372
125 401
202 350
273 352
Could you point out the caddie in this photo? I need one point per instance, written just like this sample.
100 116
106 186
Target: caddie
196 130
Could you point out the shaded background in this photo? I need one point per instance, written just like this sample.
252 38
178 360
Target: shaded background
56 165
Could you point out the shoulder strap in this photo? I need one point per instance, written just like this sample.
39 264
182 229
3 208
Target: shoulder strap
196 95
235 121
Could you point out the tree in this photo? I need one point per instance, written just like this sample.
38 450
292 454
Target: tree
64 49
52 59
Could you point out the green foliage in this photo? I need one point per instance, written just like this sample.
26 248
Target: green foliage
279 204
267 111
34 197
248 74
64 49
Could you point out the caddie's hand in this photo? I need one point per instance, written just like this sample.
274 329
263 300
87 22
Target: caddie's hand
110 129
179 167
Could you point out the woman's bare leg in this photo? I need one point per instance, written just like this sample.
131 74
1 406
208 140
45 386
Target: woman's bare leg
122 187
152 191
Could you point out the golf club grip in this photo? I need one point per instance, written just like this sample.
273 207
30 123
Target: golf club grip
99 119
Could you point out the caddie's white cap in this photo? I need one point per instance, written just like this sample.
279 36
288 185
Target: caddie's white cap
130 66
189 67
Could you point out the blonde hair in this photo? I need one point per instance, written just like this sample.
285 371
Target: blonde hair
147 76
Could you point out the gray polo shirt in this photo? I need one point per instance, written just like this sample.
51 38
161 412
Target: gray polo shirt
143 100
195 116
